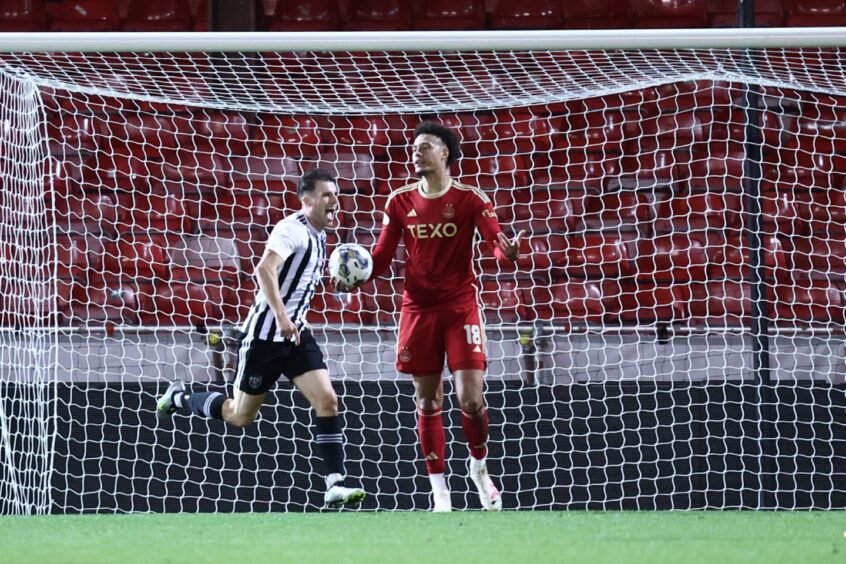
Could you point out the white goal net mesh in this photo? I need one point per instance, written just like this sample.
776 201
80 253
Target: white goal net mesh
672 336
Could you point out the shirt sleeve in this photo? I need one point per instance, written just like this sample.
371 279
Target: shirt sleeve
389 238
285 239
488 225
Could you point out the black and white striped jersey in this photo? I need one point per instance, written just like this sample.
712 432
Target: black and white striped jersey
303 252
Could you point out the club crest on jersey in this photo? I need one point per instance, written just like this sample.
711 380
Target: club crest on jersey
405 354
448 211
254 381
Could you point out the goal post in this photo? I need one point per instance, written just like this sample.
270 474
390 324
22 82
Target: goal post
672 335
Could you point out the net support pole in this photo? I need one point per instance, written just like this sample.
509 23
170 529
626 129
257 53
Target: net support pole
752 107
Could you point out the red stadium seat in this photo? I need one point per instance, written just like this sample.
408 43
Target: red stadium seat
203 167
362 134
647 302
200 16
818 258
119 171
63 177
383 299
528 14
500 299
184 303
595 130
700 211
297 136
227 132
22 16
76 255
448 14
806 13
362 212
328 307
266 173
717 167
674 258
539 211
516 132
165 212
305 15
84 15
596 14
206 258
378 15
826 212
780 130
575 302
393 176
676 14
595 255
145 133
353 173
158 15
38 302
821 128
228 210
70 133
616 209
723 13
488 173
723 303
137 255
652 162
575 169
802 301
107 301
545 256
676 129
91 213
729 257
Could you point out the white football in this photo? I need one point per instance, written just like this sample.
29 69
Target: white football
350 263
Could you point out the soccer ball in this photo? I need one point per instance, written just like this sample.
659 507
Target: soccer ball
350 264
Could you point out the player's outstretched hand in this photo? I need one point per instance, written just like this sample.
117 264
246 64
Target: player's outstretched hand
286 328
510 247
339 286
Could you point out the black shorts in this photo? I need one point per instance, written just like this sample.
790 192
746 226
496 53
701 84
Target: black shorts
261 363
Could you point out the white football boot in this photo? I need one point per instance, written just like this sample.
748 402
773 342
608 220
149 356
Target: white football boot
488 493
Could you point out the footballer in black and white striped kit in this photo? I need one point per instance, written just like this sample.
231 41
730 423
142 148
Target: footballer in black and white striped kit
276 339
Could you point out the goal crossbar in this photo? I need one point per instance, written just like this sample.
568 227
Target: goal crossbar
516 40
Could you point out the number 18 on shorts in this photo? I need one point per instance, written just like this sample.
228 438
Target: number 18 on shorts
426 338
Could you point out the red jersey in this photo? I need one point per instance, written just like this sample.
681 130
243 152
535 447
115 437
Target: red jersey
438 232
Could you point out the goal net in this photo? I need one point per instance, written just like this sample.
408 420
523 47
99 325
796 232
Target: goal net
671 337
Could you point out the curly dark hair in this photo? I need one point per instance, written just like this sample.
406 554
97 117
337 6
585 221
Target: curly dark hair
309 179
445 134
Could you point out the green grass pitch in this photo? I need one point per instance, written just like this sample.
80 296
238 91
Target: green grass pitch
466 537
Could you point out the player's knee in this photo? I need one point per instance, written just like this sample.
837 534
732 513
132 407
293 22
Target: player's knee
471 406
241 419
429 405
326 405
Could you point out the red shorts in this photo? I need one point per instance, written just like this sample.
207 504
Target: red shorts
426 336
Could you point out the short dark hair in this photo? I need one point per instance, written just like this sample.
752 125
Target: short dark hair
445 134
309 179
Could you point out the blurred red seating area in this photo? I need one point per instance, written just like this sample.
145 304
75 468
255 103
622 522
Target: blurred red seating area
390 15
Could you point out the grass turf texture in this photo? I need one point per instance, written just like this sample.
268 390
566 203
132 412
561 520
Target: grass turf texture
375 538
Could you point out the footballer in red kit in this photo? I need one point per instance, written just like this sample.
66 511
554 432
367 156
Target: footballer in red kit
437 219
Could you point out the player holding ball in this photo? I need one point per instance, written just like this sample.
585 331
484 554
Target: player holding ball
440 319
